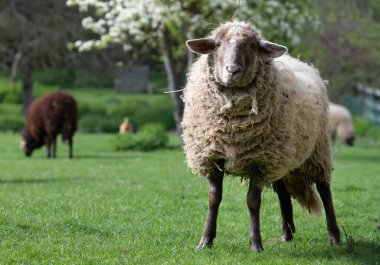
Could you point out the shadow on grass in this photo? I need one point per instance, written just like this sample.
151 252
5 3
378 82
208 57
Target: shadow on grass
357 252
86 229
98 156
369 158
361 252
35 181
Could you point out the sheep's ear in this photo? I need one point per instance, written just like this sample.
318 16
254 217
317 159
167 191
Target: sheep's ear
202 46
272 50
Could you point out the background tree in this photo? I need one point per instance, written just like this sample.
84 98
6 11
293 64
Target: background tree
346 45
34 34
167 24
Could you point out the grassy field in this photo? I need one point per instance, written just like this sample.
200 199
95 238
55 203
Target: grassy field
104 207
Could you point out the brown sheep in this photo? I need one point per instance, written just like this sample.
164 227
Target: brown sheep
47 116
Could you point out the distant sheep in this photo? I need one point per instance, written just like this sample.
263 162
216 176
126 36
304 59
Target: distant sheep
340 124
48 116
126 126
251 113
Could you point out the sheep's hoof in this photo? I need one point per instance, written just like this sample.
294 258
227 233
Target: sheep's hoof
256 246
205 243
334 237
287 236
288 231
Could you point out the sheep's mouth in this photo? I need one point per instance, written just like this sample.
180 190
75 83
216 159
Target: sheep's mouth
231 80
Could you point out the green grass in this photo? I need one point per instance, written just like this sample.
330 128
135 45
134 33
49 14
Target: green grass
107 207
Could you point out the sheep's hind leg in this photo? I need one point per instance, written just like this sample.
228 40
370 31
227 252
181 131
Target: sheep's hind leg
254 202
54 144
332 227
214 200
288 228
48 147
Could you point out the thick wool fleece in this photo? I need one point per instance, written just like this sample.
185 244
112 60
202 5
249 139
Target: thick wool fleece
340 123
277 123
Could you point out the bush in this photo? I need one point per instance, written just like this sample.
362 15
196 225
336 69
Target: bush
364 127
68 78
8 93
98 124
11 94
57 77
158 82
143 111
151 137
11 123
84 78
92 109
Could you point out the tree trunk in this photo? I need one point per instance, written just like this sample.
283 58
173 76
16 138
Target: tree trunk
27 82
14 71
175 70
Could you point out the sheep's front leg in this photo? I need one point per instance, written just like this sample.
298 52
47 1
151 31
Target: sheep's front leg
288 228
214 200
254 202
332 227
70 143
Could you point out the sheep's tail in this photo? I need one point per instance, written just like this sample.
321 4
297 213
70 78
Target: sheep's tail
305 194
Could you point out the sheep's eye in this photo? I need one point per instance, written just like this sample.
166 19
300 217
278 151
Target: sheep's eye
217 44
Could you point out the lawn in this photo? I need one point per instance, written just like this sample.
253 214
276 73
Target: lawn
104 207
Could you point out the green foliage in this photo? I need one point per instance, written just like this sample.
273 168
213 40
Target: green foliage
364 127
11 118
151 137
84 78
57 77
346 46
79 78
100 110
94 109
10 96
142 111
11 123
68 78
98 124
158 82
104 112
9 93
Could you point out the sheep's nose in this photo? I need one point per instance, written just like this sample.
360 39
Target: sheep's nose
233 68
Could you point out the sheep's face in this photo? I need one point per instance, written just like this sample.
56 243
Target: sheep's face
29 144
350 140
28 148
235 52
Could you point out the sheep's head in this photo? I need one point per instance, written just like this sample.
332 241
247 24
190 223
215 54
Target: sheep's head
29 143
236 51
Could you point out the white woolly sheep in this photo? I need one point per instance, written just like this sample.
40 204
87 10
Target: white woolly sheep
340 124
251 113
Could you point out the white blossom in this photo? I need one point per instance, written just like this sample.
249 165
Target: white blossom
123 20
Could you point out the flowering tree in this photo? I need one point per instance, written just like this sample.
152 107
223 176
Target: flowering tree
168 23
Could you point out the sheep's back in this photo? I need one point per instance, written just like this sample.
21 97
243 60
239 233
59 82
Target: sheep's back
340 121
